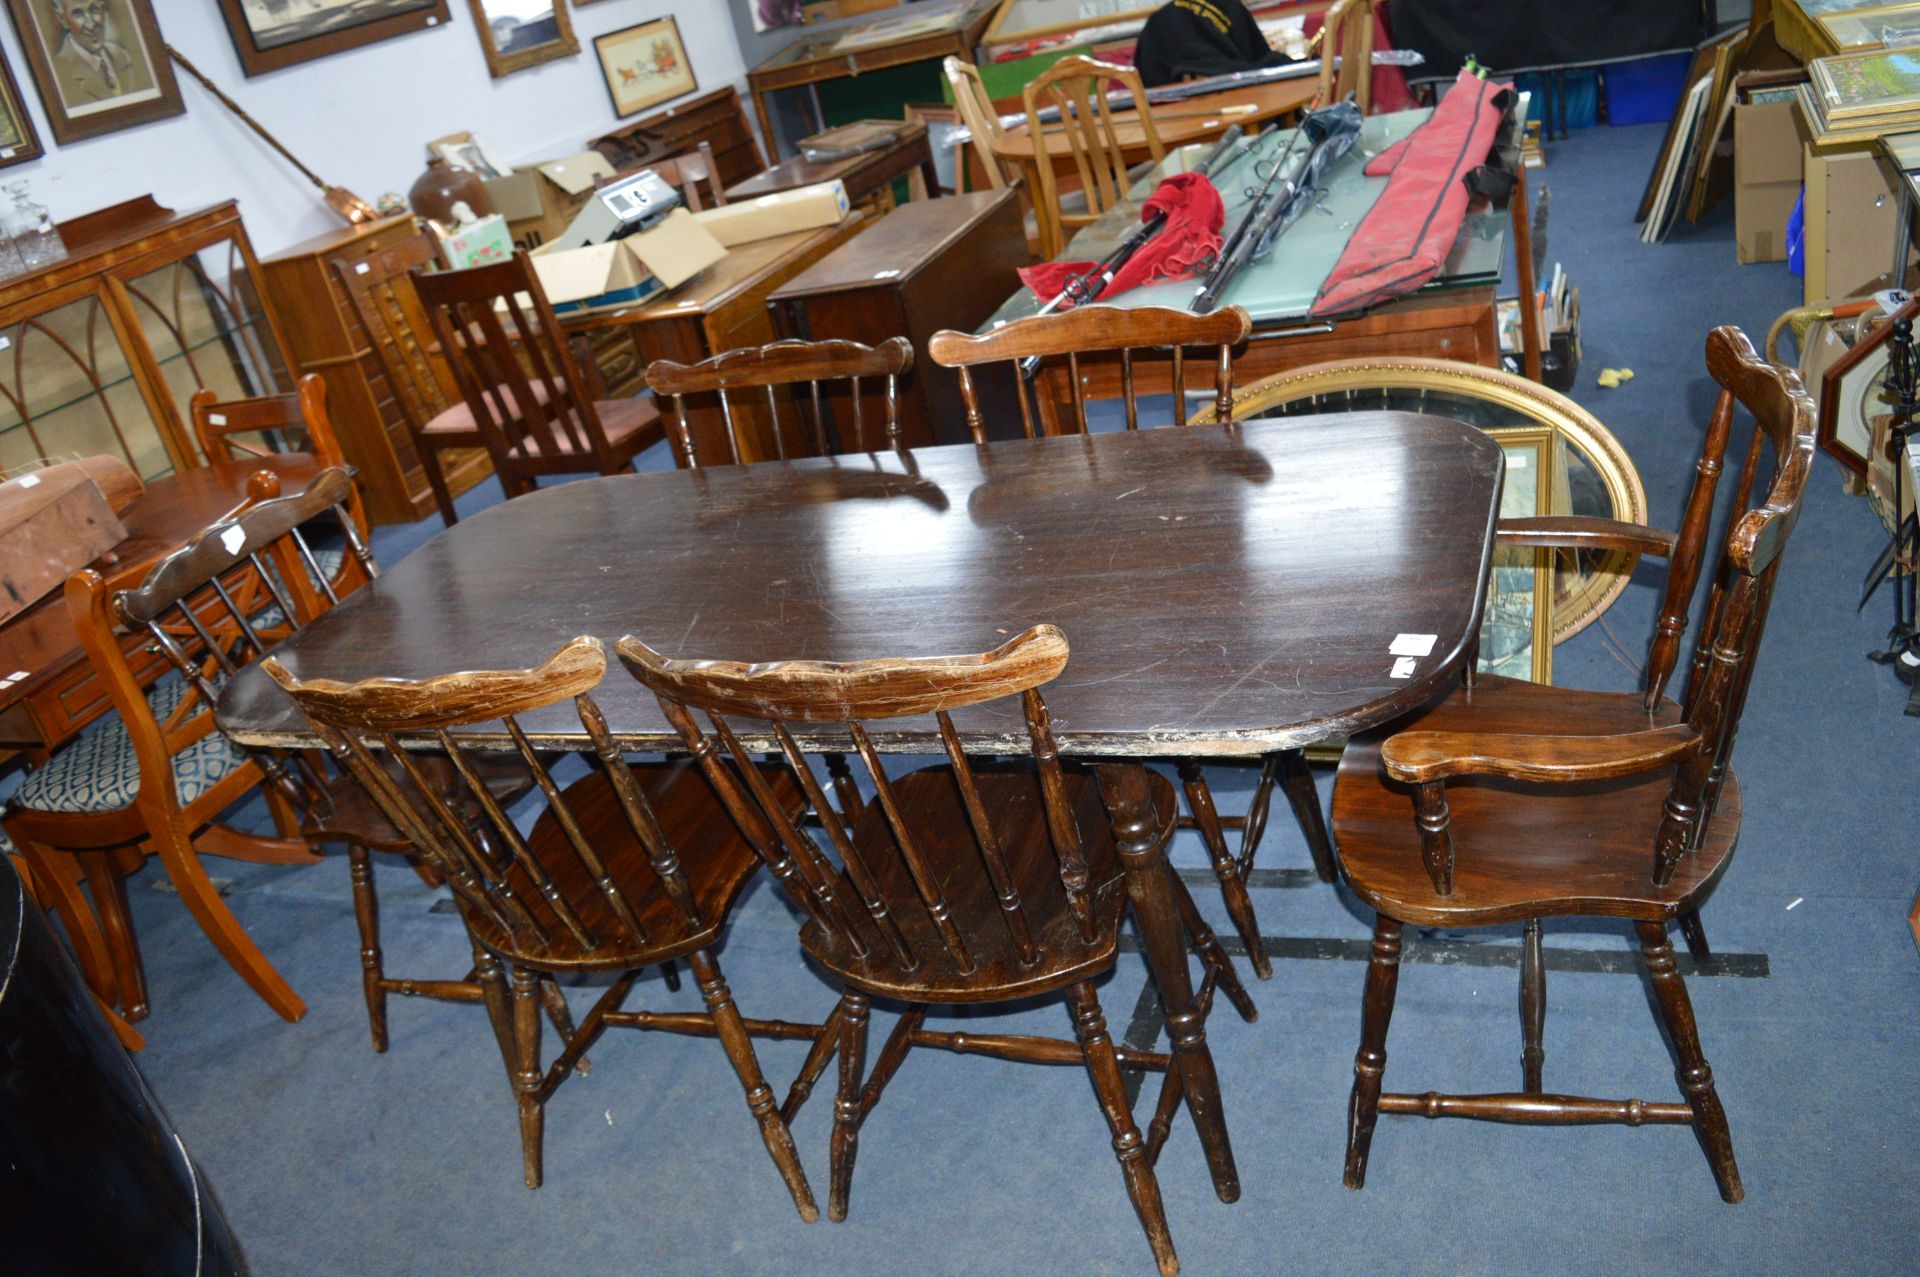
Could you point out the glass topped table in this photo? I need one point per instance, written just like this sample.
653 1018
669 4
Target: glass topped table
1280 289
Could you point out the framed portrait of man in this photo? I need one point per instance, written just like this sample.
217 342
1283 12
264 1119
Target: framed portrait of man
270 34
18 140
100 65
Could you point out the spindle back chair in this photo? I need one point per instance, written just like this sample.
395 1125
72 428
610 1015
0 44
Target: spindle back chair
1077 88
1346 54
956 884
402 358
624 869
156 776
520 379
300 418
1089 330
977 112
1441 818
814 424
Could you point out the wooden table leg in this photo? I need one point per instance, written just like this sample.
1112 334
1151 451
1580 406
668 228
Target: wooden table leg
1523 275
1136 830
767 134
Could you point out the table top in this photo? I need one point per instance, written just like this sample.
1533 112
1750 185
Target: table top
898 245
798 171
1181 122
1225 590
41 641
1281 288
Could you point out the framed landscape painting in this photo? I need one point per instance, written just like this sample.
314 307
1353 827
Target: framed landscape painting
100 65
271 34
644 65
18 142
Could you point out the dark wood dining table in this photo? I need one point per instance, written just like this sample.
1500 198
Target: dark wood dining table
47 690
1225 591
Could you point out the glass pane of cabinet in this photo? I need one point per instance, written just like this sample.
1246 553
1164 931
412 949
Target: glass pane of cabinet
68 390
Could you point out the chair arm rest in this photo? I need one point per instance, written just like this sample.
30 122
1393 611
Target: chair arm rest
1425 757
1584 534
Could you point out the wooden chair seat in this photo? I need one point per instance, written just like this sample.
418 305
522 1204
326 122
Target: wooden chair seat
631 426
1524 850
930 801
690 816
456 424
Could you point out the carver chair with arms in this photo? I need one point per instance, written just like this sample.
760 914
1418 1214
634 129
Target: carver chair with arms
1512 801
957 885
626 868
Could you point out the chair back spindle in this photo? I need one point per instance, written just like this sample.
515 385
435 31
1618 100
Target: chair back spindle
830 417
908 905
1076 87
513 880
1084 330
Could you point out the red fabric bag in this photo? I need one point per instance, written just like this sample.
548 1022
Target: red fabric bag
1403 240
1195 215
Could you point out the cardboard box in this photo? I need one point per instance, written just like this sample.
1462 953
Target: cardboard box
1766 179
803 208
478 243
1852 223
540 200
627 270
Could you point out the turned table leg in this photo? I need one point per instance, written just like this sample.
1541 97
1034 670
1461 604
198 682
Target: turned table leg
1136 829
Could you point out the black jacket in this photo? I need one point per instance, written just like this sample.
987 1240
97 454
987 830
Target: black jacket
1199 38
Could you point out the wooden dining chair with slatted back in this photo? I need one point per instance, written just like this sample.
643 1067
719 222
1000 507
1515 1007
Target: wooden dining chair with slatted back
977 112
1077 88
519 377
156 777
401 357
957 886
1088 330
1513 801
629 867
788 399
1345 42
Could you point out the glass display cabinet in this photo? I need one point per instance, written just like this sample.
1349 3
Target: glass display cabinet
101 352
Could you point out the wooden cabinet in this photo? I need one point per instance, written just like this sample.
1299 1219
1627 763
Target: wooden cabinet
932 264
101 352
716 118
324 337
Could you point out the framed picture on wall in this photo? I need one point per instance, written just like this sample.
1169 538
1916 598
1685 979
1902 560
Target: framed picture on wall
644 65
100 65
18 141
271 34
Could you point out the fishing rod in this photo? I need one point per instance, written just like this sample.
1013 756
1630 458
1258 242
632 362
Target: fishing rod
1090 283
1332 132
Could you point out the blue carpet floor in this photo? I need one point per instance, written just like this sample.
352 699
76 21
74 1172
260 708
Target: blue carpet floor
332 1160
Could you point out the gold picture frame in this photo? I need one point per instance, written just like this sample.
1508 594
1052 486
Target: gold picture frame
514 45
1516 630
19 142
1598 477
644 65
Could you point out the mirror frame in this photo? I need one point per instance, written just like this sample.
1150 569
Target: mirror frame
1580 429
500 65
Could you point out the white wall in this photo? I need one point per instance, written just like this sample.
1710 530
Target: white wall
359 119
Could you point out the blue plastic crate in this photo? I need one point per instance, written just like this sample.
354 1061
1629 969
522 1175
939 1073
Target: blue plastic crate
1646 90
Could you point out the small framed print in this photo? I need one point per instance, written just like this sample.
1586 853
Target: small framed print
644 65
100 65
1516 626
18 141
